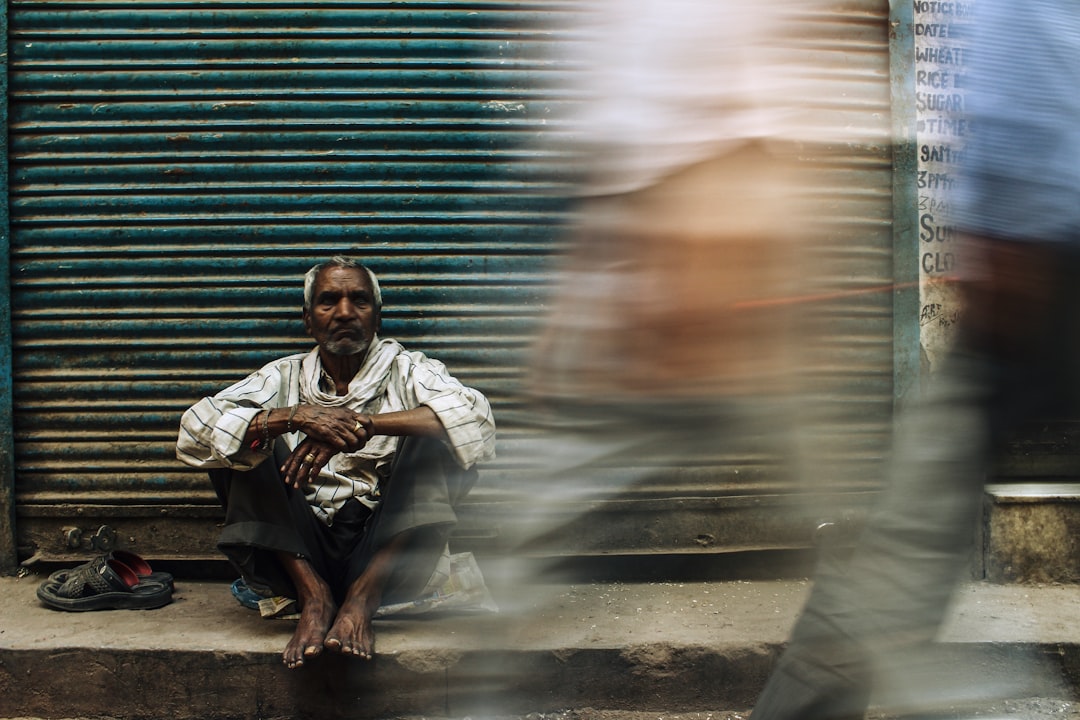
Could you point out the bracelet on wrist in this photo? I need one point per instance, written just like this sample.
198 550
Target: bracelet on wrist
263 441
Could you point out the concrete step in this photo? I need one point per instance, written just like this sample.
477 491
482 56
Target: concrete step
616 646
1031 532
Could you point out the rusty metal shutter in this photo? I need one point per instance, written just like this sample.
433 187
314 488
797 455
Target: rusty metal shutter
175 167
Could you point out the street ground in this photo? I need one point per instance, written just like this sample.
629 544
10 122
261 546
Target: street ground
1023 709
1026 709
584 647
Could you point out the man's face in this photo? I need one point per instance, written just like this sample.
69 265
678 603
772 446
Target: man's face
342 318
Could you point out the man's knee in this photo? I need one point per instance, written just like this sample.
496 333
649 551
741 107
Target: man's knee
428 464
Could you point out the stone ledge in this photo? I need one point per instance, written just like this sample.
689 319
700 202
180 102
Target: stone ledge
1031 533
621 646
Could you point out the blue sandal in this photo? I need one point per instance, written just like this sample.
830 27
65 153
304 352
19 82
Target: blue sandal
108 585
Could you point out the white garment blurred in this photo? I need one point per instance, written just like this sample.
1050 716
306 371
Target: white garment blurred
661 84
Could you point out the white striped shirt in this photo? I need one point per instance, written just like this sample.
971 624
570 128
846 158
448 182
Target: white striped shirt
212 430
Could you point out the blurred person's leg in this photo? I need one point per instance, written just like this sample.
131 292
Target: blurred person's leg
1015 360
896 586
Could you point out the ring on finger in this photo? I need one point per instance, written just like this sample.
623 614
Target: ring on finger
310 458
357 427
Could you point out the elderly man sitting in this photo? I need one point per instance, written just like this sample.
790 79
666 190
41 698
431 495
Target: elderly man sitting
339 468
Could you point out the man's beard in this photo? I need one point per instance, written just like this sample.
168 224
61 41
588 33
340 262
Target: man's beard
347 346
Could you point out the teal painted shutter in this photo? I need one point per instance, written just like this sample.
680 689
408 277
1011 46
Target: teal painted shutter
176 166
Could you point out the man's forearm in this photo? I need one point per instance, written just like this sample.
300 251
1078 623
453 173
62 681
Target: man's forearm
420 421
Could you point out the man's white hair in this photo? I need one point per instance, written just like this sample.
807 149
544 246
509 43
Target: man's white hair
342 262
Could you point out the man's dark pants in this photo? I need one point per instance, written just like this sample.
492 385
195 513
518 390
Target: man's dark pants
264 517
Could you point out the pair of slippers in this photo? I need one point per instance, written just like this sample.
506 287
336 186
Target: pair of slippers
119 580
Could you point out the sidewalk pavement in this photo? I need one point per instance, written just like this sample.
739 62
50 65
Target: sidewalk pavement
655 646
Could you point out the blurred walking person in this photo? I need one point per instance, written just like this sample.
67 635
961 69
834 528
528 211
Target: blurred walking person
1015 360
675 325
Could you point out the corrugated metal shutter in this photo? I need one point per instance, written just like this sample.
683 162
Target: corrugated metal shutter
852 356
175 166
734 499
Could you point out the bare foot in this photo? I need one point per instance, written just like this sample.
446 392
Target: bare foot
308 640
352 633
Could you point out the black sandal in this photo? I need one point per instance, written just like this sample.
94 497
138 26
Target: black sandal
108 585
133 561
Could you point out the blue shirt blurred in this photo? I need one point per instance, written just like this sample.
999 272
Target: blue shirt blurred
1021 171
